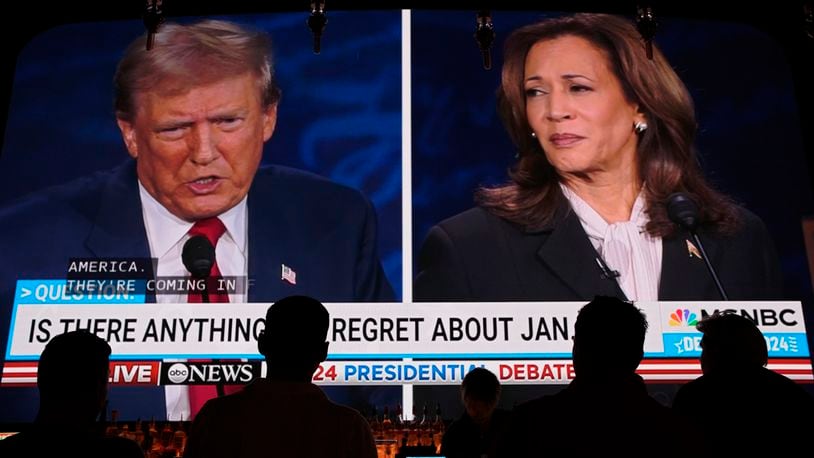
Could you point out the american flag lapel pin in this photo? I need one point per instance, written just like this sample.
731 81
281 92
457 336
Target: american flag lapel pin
288 274
692 250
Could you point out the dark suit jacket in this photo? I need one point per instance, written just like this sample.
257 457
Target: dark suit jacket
477 256
324 231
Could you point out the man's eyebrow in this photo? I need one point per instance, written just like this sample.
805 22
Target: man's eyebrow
229 114
173 124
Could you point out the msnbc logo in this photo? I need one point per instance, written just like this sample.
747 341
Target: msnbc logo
683 318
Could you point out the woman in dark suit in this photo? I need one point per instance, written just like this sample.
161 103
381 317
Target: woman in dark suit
605 136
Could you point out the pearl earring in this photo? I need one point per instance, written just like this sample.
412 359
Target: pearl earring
640 126
533 134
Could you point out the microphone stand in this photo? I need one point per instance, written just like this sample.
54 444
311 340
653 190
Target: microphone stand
205 299
198 256
709 266
683 211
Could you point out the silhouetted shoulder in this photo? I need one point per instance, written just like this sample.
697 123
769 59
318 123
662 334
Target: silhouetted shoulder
760 404
763 388
119 447
273 418
531 407
48 443
527 422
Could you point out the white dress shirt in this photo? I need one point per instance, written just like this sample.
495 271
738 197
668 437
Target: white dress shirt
626 247
166 235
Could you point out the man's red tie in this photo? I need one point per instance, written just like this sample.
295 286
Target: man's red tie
212 229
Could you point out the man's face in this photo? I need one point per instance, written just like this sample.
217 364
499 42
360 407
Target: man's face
197 151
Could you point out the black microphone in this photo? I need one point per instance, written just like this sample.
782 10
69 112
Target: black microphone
153 18
198 256
683 211
485 36
316 22
607 272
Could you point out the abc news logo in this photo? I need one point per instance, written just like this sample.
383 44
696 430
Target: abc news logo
209 373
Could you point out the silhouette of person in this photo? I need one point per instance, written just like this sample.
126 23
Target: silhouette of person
605 410
72 380
479 430
283 414
740 407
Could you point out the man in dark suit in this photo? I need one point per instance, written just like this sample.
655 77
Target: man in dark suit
194 112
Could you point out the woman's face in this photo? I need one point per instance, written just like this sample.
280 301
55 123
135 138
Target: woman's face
577 110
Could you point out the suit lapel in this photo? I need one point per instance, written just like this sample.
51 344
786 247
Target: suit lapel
118 228
568 253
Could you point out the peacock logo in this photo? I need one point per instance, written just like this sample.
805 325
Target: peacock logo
683 317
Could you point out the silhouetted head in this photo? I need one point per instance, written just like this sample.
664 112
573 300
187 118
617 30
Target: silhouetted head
294 341
72 377
608 338
480 392
731 342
